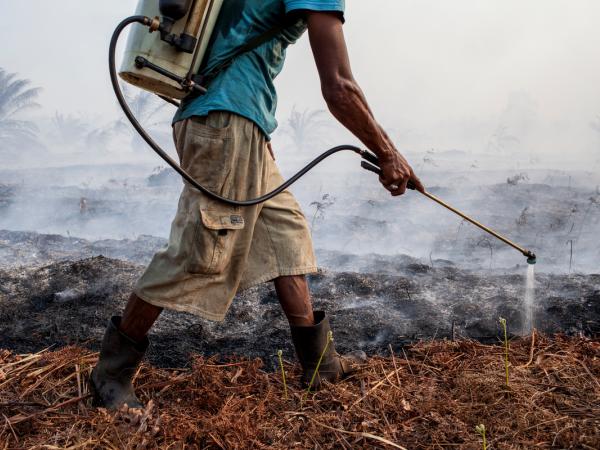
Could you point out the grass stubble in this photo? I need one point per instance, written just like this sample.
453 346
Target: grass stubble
435 397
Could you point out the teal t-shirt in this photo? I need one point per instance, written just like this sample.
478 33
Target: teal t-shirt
247 86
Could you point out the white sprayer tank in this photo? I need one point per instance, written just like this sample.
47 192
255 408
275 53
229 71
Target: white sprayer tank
149 45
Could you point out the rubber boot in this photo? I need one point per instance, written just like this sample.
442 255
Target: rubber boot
310 342
111 379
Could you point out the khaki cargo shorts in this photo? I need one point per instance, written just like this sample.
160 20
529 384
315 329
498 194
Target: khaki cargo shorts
215 249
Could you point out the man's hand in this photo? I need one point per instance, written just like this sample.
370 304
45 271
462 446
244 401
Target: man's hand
347 102
396 173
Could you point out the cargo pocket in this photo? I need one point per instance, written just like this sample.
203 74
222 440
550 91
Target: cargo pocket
214 238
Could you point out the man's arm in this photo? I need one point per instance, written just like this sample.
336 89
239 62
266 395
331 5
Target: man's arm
348 104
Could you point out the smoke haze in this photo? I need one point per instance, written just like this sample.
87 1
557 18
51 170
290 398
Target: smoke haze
496 104
440 74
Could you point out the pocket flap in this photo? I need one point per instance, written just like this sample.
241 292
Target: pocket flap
221 219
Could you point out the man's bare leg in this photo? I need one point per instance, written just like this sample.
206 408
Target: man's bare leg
310 336
138 318
294 298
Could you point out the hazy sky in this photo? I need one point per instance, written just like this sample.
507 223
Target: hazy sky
441 74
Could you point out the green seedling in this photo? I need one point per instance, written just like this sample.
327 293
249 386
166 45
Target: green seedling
481 430
285 391
314 376
503 323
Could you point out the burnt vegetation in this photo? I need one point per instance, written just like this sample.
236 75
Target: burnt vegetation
433 394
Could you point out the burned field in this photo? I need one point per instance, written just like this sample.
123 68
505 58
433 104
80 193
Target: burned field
436 372
69 302
430 324
476 299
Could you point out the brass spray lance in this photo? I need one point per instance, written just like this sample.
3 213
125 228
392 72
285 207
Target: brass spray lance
373 166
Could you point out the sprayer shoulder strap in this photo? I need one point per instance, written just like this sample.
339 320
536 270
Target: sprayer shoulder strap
252 44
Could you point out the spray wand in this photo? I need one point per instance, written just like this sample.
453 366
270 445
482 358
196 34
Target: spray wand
371 164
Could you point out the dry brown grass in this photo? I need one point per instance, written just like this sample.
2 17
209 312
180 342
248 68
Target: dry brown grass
432 397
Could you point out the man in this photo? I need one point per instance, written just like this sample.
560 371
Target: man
222 139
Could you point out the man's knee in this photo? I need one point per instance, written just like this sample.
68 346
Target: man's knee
296 282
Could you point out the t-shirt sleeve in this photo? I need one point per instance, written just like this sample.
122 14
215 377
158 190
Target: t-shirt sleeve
316 5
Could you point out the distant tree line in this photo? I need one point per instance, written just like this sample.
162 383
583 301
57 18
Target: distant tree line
19 132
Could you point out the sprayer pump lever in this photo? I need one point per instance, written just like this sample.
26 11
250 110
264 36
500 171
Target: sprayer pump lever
141 63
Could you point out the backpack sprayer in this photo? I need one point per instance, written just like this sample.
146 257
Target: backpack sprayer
165 56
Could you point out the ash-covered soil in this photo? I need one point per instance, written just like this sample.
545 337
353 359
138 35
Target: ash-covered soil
21 248
69 301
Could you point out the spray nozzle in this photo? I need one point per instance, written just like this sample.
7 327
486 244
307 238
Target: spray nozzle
531 258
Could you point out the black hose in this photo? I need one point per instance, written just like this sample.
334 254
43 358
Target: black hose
186 176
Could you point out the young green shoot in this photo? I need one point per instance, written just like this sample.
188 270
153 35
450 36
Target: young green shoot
481 430
285 390
503 323
314 376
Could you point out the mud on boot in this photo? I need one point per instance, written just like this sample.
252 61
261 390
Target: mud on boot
310 341
111 379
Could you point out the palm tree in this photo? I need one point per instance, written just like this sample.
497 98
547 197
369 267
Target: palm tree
502 139
70 130
15 97
150 112
305 128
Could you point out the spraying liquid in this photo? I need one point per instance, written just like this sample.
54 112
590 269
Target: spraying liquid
529 300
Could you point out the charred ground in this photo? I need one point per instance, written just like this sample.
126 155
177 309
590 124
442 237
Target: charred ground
56 289
69 302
